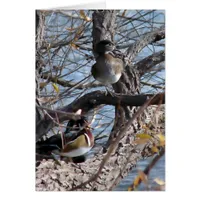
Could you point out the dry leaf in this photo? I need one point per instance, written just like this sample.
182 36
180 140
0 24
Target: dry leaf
136 181
144 126
83 16
43 84
79 34
70 29
130 189
143 177
159 181
82 13
56 88
88 19
161 139
140 141
154 149
74 45
123 14
143 136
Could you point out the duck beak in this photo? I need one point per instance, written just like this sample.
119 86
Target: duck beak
88 125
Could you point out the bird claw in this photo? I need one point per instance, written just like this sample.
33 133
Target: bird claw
108 92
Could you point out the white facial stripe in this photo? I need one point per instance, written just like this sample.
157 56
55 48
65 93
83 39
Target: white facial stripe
78 112
88 139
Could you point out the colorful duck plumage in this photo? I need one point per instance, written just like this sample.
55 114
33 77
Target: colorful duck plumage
78 140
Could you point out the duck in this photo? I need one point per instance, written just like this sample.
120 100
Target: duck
78 141
81 140
108 68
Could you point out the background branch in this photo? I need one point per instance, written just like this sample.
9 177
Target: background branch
70 84
149 62
148 38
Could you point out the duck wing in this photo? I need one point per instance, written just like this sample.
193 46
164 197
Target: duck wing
52 143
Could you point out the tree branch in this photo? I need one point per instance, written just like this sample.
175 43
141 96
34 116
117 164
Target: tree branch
151 37
153 85
66 115
70 84
147 63
93 100
96 98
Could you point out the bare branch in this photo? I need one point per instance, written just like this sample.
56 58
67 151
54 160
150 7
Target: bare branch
151 37
62 114
153 85
58 44
70 84
96 98
147 63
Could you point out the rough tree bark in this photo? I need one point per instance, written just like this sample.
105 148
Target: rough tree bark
125 155
40 21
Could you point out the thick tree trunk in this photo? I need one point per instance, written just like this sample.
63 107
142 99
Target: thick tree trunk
40 21
103 25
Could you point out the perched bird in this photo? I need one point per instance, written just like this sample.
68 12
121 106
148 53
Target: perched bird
78 140
108 68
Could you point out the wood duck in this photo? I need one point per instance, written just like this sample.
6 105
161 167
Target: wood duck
81 141
78 141
107 69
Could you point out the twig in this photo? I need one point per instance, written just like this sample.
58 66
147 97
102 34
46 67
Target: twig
153 85
68 115
71 84
75 86
62 136
99 138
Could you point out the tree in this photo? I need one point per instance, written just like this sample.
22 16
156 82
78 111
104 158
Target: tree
65 43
